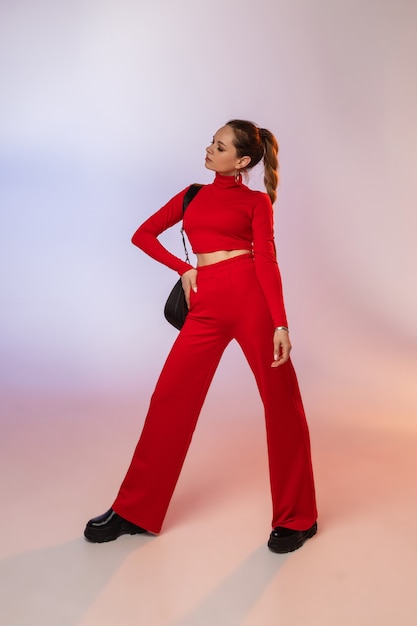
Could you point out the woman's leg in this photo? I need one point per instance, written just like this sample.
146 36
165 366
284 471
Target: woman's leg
291 475
176 403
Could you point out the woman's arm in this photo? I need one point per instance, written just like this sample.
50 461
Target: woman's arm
146 236
269 276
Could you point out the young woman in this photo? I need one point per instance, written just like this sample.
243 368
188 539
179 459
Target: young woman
233 293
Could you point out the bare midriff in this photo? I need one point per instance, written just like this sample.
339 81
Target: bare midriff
208 258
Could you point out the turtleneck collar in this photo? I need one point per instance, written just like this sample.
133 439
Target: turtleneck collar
225 182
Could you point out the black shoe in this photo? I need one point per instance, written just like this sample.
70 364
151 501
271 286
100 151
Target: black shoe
283 540
108 527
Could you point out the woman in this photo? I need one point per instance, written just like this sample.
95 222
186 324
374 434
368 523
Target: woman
233 293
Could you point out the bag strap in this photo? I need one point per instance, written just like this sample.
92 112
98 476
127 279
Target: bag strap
191 192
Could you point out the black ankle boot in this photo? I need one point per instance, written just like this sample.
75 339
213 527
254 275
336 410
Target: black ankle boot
283 540
108 527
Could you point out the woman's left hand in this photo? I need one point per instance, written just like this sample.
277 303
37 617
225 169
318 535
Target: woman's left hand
189 282
282 347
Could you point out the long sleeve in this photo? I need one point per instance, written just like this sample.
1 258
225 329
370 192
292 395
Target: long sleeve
266 266
146 236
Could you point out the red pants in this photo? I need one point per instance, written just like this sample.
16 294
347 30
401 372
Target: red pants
229 305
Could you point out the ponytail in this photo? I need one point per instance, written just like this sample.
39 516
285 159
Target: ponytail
271 177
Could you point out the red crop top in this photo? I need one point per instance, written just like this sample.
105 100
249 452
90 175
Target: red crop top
224 215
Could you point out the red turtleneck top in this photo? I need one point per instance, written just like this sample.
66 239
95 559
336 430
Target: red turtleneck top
225 215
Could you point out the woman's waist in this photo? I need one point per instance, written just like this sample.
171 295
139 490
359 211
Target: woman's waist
211 258
230 264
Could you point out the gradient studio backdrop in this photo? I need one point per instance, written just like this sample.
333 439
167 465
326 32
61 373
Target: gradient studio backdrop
106 108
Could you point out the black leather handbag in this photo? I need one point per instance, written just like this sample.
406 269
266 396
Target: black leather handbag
176 309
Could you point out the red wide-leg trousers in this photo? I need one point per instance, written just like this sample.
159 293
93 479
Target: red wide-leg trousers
229 305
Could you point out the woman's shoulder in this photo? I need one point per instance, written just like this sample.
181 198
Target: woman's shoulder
256 194
260 198
189 191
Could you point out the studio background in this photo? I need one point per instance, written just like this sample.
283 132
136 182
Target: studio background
106 110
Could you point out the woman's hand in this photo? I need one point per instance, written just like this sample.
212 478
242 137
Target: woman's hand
282 347
189 281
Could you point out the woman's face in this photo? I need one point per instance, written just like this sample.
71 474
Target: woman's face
221 154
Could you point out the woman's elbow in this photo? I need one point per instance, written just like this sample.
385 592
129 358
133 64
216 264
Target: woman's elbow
137 238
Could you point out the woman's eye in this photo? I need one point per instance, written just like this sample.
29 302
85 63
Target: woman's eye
220 149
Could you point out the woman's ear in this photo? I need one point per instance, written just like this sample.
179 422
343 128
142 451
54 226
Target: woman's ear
244 162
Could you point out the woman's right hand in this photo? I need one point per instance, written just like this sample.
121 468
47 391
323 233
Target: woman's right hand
189 281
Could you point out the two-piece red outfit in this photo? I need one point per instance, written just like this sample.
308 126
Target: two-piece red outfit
239 298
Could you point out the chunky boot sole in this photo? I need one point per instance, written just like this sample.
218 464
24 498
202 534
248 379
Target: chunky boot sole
290 542
94 535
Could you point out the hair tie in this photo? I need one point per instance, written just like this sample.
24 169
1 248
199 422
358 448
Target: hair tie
262 134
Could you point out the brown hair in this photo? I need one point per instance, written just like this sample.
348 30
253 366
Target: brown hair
258 143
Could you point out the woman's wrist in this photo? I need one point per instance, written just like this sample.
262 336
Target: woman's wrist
190 267
282 328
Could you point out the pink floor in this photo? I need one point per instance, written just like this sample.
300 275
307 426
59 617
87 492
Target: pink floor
62 459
